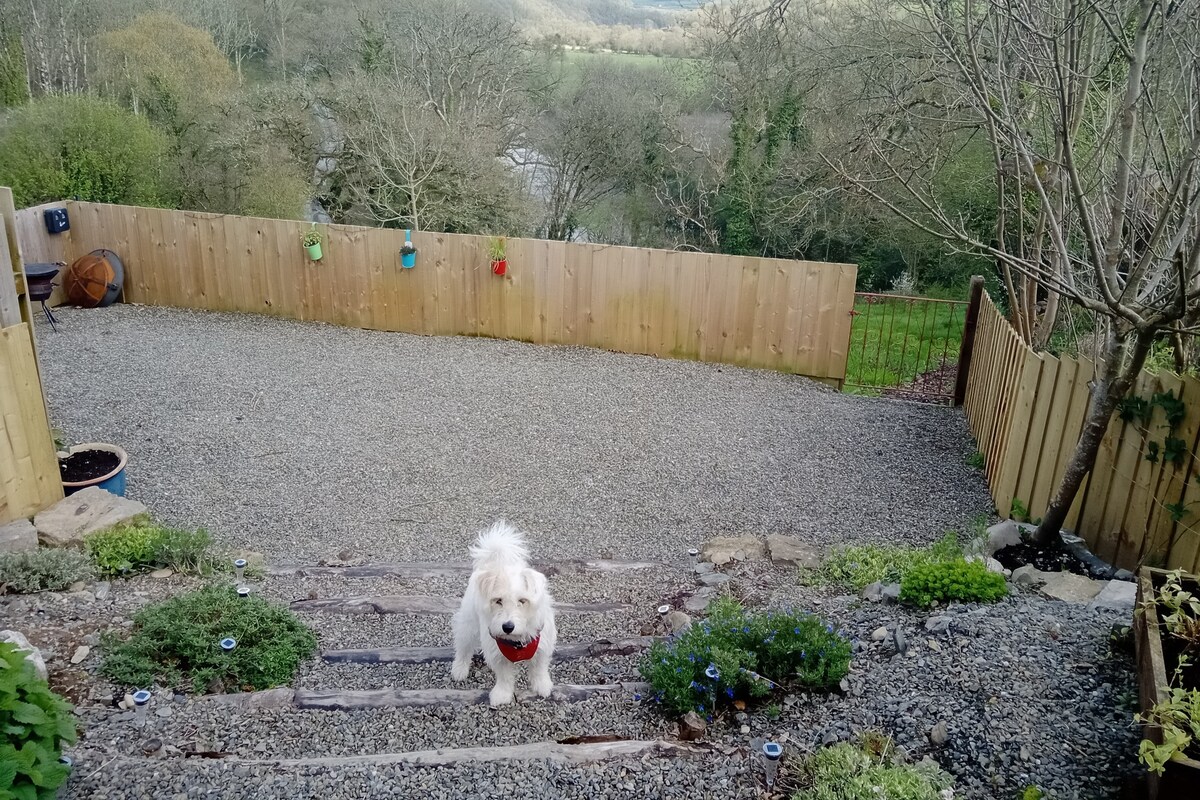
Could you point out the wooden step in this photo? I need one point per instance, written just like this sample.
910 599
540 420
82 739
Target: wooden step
432 655
346 700
424 604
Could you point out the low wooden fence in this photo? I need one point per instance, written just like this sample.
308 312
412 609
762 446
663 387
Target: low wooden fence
1141 502
29 476
756 312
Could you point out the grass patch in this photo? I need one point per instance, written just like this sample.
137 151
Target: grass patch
857 565
893 341
34 725
869 770
176 643
146 545
735 655
961 581
43 570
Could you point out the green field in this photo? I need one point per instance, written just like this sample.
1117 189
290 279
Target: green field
893 341
566 65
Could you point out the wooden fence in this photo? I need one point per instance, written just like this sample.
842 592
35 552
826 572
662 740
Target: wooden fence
29 476
1027 409
756 312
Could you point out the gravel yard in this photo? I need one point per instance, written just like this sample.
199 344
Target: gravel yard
302 441
299 440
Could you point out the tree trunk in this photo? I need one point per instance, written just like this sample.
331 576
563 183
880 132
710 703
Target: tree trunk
1125 354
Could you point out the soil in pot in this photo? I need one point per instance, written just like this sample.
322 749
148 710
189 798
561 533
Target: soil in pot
1047 559
87 465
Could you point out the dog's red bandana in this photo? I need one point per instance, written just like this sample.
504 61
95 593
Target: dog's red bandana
514 651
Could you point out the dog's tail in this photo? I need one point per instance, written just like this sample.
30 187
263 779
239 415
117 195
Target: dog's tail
499 543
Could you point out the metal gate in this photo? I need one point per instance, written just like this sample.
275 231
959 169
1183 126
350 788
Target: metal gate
910 348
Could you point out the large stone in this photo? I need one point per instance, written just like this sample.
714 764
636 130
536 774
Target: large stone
724 549
873 592
1001 535
1116 595
697 604
17 536
790 550
67 522
1070 587
939 735
1029 575
677 621
714 578
32 654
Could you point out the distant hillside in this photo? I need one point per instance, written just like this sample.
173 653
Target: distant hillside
635 13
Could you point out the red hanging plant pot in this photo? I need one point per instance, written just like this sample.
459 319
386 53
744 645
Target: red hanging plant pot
500 266
498 253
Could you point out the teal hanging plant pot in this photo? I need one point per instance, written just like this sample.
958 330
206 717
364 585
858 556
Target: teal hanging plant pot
408 253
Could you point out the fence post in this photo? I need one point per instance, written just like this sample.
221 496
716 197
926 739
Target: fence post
968 339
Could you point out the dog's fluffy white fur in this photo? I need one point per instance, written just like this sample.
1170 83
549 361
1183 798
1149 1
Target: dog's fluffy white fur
505 599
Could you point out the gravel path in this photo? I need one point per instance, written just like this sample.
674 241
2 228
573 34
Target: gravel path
299 440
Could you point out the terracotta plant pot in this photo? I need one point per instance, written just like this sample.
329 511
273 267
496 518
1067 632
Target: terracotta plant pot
500 266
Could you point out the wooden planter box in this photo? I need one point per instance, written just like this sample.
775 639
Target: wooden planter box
1182 776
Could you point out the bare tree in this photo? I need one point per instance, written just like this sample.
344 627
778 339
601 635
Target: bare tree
1091 110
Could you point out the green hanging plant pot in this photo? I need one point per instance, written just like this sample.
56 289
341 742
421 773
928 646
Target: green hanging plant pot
314 251
311 240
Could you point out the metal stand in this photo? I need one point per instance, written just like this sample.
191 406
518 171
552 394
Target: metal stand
50 316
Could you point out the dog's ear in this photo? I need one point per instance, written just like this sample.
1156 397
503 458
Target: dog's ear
535 582
484 583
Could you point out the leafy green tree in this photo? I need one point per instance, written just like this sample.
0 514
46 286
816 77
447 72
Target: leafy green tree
57 147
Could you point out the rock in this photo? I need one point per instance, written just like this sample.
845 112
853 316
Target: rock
81 653
164 712
714 578
692 727
1071 587
879 634
17 536
1001 535
1122 575
873 592
891 593
1029 575
1025 754
127 701
162 573
151 746
91 640
703 568
899 640
696 604
67 522
790 550
32 654
939 735
100 590
677 621
938 624
724 549
745 729
1117 595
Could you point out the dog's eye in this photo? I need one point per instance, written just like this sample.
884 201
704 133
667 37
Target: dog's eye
523 601
498 601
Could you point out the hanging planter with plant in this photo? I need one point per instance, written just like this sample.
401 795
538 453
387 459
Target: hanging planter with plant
312 243
408 253
498 252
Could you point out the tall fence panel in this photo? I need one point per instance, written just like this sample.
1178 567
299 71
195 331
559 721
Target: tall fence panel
1141 501
786 315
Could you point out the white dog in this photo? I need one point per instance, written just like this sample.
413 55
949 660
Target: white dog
508 613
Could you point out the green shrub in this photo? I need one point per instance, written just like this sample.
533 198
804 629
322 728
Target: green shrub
176 643
146 545
36 723
964 581
870 771
42 570
734 655
857 565
62 146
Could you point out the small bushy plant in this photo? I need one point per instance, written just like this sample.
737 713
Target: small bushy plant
734 655
964 581
34 725
146 545
869 771
42 570
176 643
857 565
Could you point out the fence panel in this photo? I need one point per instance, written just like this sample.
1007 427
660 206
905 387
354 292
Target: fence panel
1027 412
787 315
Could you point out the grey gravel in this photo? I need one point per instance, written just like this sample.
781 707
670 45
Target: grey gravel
299 439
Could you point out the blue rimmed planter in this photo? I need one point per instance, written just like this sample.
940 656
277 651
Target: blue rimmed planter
112 482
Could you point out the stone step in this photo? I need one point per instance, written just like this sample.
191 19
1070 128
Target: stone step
424 604
345 700
431 655
434 569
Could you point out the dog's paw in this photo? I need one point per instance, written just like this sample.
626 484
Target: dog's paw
542 685
460 670
500 697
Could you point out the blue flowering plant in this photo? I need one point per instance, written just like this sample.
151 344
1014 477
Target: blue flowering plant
735 655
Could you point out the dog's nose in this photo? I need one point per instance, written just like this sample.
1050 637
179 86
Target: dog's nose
508 627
